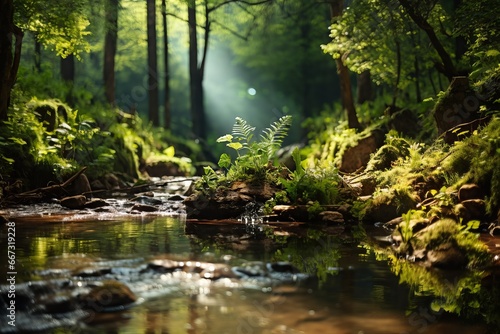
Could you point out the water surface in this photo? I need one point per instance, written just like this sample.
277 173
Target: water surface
344 286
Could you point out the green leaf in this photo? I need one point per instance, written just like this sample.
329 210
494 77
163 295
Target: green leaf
299 169
65 125
492 53
236 146
19 141
473 224
169 151
8 160
226 138
208 171
225 160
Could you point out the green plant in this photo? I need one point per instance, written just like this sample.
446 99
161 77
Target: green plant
311 185
258 155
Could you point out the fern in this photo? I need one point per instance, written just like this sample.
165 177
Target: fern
272 137
255 161
243 132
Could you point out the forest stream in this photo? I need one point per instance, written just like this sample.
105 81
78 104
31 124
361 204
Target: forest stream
117 272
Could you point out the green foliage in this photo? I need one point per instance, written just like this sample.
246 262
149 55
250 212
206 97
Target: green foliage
394 149
27 146
315 254
448 230
474 23
369 35
257 155
320 185
48 139
476 159
65 34
328 141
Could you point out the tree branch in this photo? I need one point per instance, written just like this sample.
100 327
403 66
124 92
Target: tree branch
248 3
422 23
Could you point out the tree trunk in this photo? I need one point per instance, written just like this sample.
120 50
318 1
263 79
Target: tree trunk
364 89
110 50
398 74
9 62
38 56
196 76
446 67
67 67
167 112
152 64
460 42
344 76
417 80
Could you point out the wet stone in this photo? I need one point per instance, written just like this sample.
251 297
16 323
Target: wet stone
144 208
74 202
332 217
164 266
59 304
146 200
93 272
217 271
96 203
109 295
176 198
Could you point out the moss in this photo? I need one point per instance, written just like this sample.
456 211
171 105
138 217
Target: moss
477 160
450 231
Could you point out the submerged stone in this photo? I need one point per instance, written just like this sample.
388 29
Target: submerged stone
110 294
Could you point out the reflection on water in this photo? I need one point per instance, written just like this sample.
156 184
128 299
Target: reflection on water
349 288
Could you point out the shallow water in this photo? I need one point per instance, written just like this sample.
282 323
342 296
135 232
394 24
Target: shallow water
344 286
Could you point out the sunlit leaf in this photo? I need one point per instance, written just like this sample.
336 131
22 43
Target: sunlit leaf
19 141
226 138
236 146
169 151
225 160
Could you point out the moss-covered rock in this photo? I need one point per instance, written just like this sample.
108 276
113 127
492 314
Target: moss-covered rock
444 244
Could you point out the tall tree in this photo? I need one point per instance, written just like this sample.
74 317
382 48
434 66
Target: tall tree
382 38
9 55
111 9
347 97
166 112
196 65
67 68
196 71
37 16
152 64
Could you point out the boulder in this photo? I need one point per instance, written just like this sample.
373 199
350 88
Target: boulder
229 202
356 157
446 256
163 168
458 105
470 191
474 209
80 185
291 212
331 217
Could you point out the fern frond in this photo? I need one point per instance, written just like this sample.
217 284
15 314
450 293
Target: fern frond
273 136
242 131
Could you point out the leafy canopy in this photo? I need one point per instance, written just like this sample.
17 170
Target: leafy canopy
59 25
